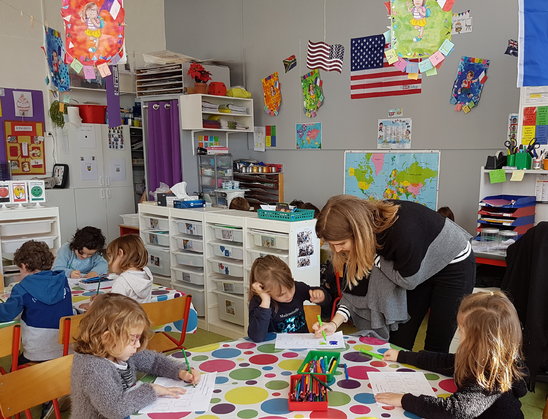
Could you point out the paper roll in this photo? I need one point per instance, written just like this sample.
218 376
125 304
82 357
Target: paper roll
74 115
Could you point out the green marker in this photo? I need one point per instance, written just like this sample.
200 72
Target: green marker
372 354
187 364
323 331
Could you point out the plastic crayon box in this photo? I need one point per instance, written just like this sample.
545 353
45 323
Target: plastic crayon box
320 362
306 393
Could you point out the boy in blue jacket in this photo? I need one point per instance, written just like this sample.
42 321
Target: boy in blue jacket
42 298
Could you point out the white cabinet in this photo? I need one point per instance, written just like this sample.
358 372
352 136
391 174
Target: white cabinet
100 179
20 225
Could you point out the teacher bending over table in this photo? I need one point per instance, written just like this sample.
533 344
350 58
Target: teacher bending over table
430 257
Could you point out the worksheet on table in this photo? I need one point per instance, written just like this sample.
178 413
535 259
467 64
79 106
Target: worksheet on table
309 341
400 382
195 399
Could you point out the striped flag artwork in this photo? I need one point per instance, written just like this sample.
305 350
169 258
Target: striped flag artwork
372 76
324 56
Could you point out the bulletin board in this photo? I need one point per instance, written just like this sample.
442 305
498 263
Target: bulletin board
533 115
25 147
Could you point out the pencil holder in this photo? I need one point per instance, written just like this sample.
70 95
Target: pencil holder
306 393
321 362
523 161
511 160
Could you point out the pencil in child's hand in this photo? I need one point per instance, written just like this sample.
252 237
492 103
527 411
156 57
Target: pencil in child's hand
98 287
321 324
188 366
372 354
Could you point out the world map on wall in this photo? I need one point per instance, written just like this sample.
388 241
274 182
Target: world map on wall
393 175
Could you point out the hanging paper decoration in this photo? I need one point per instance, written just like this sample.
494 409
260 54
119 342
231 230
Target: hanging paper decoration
55 56
272 94
94 32
420 29
290 63
471 76
312 93
324 56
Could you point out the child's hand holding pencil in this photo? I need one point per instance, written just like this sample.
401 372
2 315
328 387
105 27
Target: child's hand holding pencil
192 376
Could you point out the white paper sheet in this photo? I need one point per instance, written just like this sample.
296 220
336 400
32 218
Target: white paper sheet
195 399
308 341
400 382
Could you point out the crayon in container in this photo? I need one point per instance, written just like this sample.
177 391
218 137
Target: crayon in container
306 393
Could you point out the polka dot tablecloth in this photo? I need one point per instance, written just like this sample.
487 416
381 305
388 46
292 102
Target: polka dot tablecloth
253 382
159 293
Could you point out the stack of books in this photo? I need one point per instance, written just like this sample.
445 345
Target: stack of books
210 123
209 107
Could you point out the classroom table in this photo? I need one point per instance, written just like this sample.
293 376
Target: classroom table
253 381
159 293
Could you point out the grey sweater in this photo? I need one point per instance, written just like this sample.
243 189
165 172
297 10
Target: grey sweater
97 390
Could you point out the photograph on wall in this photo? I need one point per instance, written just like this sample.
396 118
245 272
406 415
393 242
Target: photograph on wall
468 85
512 131
305 247
25 147
394 133
55 56
94 32
308 135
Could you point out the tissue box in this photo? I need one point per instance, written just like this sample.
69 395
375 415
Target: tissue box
197 203
162 198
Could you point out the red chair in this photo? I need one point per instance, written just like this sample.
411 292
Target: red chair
10 343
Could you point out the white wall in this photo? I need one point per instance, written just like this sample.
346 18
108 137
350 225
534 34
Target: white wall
262 33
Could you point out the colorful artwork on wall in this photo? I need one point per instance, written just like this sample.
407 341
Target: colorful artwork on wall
55 56
311 84
272 94
25 147
309 135
468 85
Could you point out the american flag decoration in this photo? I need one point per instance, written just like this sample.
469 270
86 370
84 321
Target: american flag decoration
323 56
372 76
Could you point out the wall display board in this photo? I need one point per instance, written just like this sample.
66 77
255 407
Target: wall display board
533 115
411 175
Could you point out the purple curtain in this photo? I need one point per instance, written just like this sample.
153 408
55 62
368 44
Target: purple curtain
163 144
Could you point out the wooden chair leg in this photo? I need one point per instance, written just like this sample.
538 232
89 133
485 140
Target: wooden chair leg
545 411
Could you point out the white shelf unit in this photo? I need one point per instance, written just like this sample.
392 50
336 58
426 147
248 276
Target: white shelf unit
154 231
524 187
19 225
192 114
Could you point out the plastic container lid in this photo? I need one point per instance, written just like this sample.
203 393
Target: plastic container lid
508 233
489 231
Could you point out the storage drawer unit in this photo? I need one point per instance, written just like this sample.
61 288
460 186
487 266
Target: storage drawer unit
193 245
227 233
155 223
270 240
20 228
193 228
226 268
230 307
230 286
232 252
198 297
157 238
159 260
189 275
189 258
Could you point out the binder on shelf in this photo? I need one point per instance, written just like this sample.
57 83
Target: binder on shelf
508 201
507 212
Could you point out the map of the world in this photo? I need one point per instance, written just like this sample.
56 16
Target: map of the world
411 176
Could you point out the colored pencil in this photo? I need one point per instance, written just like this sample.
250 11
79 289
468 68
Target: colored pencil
372 354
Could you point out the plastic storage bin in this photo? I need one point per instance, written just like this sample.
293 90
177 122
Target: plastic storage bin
157 238
193 228
159 260
231 287
189 275
315 356
189 258
156 223
257 254
227 233
230 307
296 405
20 228
297 215
270 240
9 246
226 268
198 297
192 245
131 220
224 250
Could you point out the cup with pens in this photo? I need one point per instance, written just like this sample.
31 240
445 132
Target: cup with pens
308 392
321 362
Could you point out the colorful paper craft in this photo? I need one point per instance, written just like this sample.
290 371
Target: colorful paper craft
55 55
272 94
437 58
391 56
76 65
447 47
425 65
25 147
468 85
312 93
412 67
290 63
89 72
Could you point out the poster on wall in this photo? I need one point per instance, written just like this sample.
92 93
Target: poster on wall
308 135
25 147
394 133
462 23
468 85
22 103
55 56
94 32
259 142
116 138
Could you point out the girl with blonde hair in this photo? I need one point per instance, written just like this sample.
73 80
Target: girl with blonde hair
487 367
276 299
431 255
109 352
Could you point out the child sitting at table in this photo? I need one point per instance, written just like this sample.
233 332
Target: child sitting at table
109 352
43 297
486 368
82 257
276 302
128 257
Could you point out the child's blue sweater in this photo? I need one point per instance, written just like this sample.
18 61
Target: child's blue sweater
67 261
42 298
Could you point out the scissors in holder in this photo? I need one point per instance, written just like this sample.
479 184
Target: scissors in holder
532 148
512 146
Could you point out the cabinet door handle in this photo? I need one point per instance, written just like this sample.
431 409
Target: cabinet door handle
107 181
101 181
102 194
109 193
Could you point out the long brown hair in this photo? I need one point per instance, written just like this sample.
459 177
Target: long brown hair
135 254
106 326
347 217
489 352
273 273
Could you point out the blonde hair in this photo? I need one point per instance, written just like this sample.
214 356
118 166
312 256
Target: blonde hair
272 272
134 252
105 327
84 11
347 217
490 347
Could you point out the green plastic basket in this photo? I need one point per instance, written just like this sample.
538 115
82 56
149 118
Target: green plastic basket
297 215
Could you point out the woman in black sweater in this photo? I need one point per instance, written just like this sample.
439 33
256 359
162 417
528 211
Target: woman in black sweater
486 366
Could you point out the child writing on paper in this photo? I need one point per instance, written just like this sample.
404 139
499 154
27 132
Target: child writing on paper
486 368
109 352
82 257
276 299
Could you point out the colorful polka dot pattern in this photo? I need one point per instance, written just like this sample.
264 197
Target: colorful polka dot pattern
253 382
